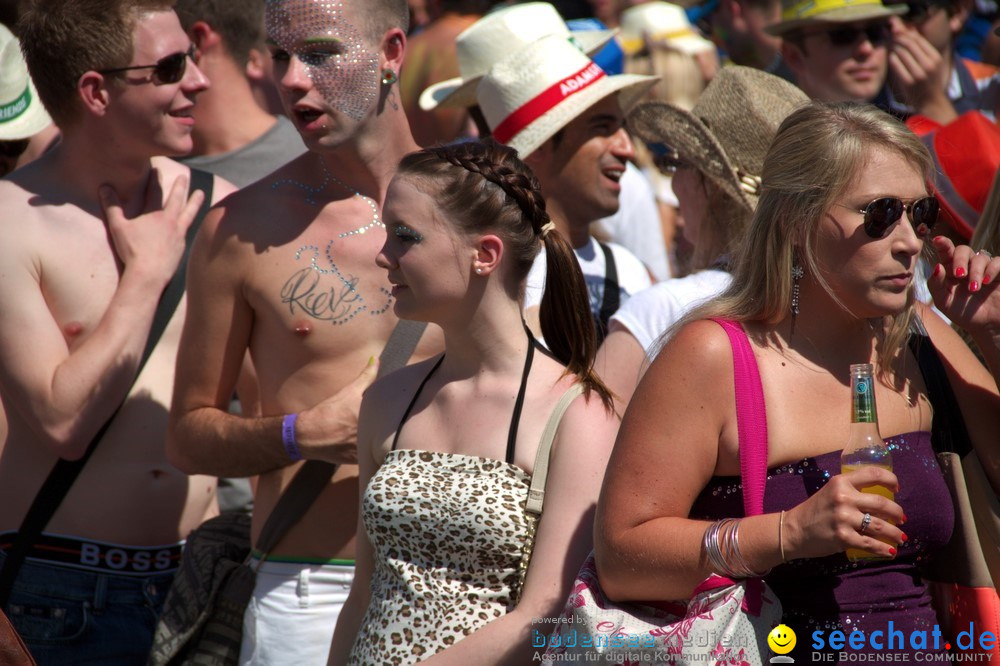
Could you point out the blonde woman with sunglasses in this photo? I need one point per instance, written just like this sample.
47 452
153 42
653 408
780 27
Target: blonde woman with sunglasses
823 280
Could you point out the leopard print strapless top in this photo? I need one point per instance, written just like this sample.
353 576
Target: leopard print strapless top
447 531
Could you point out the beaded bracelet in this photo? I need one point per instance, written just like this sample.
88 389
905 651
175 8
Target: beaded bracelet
288 437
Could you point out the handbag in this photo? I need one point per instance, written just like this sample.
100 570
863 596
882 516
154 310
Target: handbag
725 621
13 651
963 575
202 619
65 472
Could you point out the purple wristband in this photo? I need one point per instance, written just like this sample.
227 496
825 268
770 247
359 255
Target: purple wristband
288 437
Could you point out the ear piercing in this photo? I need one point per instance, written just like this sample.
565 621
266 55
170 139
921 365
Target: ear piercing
389 77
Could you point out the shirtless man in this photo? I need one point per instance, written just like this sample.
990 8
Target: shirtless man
286 268
93 231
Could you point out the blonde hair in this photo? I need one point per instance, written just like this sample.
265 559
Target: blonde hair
681 80
987 233
814 158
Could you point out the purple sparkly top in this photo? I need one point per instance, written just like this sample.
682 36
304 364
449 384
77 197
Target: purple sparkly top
831 593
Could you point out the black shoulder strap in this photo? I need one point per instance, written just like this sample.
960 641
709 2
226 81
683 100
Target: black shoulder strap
948 431
65 472
612 300
313 476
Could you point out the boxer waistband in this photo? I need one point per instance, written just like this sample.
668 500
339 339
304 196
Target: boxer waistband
100 556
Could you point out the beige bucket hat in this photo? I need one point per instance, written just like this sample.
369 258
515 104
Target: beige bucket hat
539 89
494 37
801 13
21 112
728 131
660 22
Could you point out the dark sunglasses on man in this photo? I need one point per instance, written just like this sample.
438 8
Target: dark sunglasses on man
884 212
848 35
168 69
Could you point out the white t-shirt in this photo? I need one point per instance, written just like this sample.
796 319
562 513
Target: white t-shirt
651 312
636 226
632 275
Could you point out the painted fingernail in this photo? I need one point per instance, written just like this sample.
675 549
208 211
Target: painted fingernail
937 271
892 551
973 286
904 519
987 279
902 535
959 272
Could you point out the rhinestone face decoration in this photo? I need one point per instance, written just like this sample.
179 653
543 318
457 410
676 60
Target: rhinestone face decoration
333 51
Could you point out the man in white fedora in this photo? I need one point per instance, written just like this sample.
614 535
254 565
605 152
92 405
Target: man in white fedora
94 232
26 130
565 117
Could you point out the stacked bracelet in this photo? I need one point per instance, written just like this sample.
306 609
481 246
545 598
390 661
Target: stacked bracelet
781 541
722 545
288 437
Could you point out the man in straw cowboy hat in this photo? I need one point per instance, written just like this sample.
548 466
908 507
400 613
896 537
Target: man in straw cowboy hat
837 49
716 153
285 270
94 231
26 130
565 117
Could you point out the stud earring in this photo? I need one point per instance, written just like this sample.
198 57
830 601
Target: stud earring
479 271
389 77
797 274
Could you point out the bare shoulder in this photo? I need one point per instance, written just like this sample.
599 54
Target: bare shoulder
171 169
385 401
700 353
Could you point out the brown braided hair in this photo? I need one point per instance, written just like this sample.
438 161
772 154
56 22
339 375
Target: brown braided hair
492 191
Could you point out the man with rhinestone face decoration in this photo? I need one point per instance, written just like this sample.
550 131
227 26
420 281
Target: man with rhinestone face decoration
286 269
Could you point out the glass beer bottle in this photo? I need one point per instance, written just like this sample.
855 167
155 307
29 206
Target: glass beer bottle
865 445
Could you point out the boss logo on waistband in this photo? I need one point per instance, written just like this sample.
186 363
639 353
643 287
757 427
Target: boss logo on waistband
121 559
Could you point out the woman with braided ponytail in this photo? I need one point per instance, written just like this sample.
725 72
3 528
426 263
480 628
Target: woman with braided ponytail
453 563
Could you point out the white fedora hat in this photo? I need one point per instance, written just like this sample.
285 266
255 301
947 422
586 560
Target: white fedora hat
661 22
21 112
529 96
495 36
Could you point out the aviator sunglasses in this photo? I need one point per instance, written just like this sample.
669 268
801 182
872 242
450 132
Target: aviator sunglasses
876 33
886 211
169 69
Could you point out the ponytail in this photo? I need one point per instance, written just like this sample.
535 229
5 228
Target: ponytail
565 316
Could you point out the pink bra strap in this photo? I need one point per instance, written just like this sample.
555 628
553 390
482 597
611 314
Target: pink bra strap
751 418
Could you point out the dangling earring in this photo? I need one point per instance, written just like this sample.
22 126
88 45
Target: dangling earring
389 77
797 274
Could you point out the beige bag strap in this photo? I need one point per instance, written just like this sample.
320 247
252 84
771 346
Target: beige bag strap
536 493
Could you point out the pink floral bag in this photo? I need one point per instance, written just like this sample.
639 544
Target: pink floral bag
725 621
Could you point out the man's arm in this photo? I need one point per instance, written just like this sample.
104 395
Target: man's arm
66 395
202 436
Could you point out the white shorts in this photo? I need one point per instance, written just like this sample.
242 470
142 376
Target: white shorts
293 612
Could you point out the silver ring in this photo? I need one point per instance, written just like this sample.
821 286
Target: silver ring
865 522
985 252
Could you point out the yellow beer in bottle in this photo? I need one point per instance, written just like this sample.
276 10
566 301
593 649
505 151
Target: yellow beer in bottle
865 445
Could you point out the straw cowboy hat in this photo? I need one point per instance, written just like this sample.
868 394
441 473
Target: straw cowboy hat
539 89
801 13
21 112
495 36
728 131
966 156
660 22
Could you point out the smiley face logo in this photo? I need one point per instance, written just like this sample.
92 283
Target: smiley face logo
781 640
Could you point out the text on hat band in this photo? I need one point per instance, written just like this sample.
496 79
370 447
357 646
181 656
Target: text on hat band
16 108
545 101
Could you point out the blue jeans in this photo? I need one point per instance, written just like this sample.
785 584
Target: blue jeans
67 616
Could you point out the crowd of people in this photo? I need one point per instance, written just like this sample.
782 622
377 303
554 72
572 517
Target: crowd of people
217 215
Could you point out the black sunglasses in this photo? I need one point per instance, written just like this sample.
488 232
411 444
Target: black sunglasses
876 33
169 69
665 158
883 213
